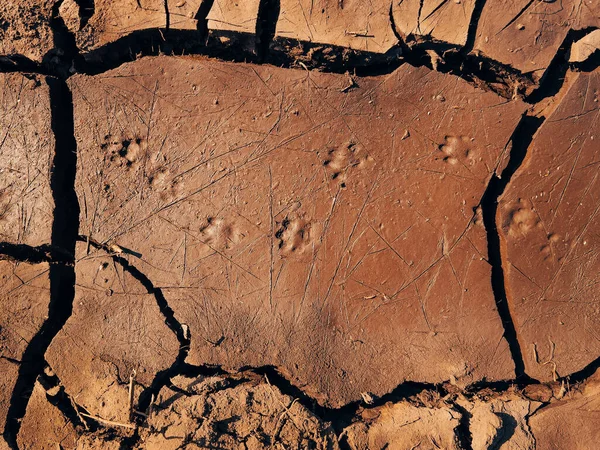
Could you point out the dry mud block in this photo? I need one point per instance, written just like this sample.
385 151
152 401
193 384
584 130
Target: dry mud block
292 221
353 24
549 222
25 28
115 19
572 422
405 426
442 20
233 15
24 298
428 422
500 422
116 330
219 413
526 34
44 427
26 153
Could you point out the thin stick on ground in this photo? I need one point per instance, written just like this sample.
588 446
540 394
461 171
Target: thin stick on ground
109 423
131 395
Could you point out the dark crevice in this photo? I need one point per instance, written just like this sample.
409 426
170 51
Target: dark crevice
292 53
583 374
20 63
163 377
554 76
473 26
463 430
234 46
60 61
35 255
266 25
61 275
590 64
87 8
201 18
519 142
339 417
419 15
167 15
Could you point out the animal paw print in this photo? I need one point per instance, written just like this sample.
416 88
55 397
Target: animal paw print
219 233
293 235
521 219
344 158
549 250
457 149
161 181
124 152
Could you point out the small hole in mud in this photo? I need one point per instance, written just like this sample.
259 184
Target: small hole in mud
335 175
326 163
343 185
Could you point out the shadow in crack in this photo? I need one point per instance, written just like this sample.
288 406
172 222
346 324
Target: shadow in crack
520 142
62 275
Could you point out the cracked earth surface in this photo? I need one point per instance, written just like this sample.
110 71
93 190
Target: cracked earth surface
299 224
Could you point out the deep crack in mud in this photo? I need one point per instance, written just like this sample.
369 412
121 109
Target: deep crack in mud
266 46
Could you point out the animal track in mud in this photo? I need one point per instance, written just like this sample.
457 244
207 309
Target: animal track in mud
549 249
339 161
521 219
294 236
124 151
459 149
220 234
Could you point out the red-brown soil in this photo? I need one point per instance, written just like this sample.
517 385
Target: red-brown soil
309 224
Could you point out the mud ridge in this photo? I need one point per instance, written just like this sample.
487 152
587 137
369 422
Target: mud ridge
519 142
64 235
35 255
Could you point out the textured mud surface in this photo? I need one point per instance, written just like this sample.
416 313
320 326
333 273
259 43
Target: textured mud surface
299 224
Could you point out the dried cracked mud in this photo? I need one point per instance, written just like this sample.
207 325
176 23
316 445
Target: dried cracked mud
299 224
